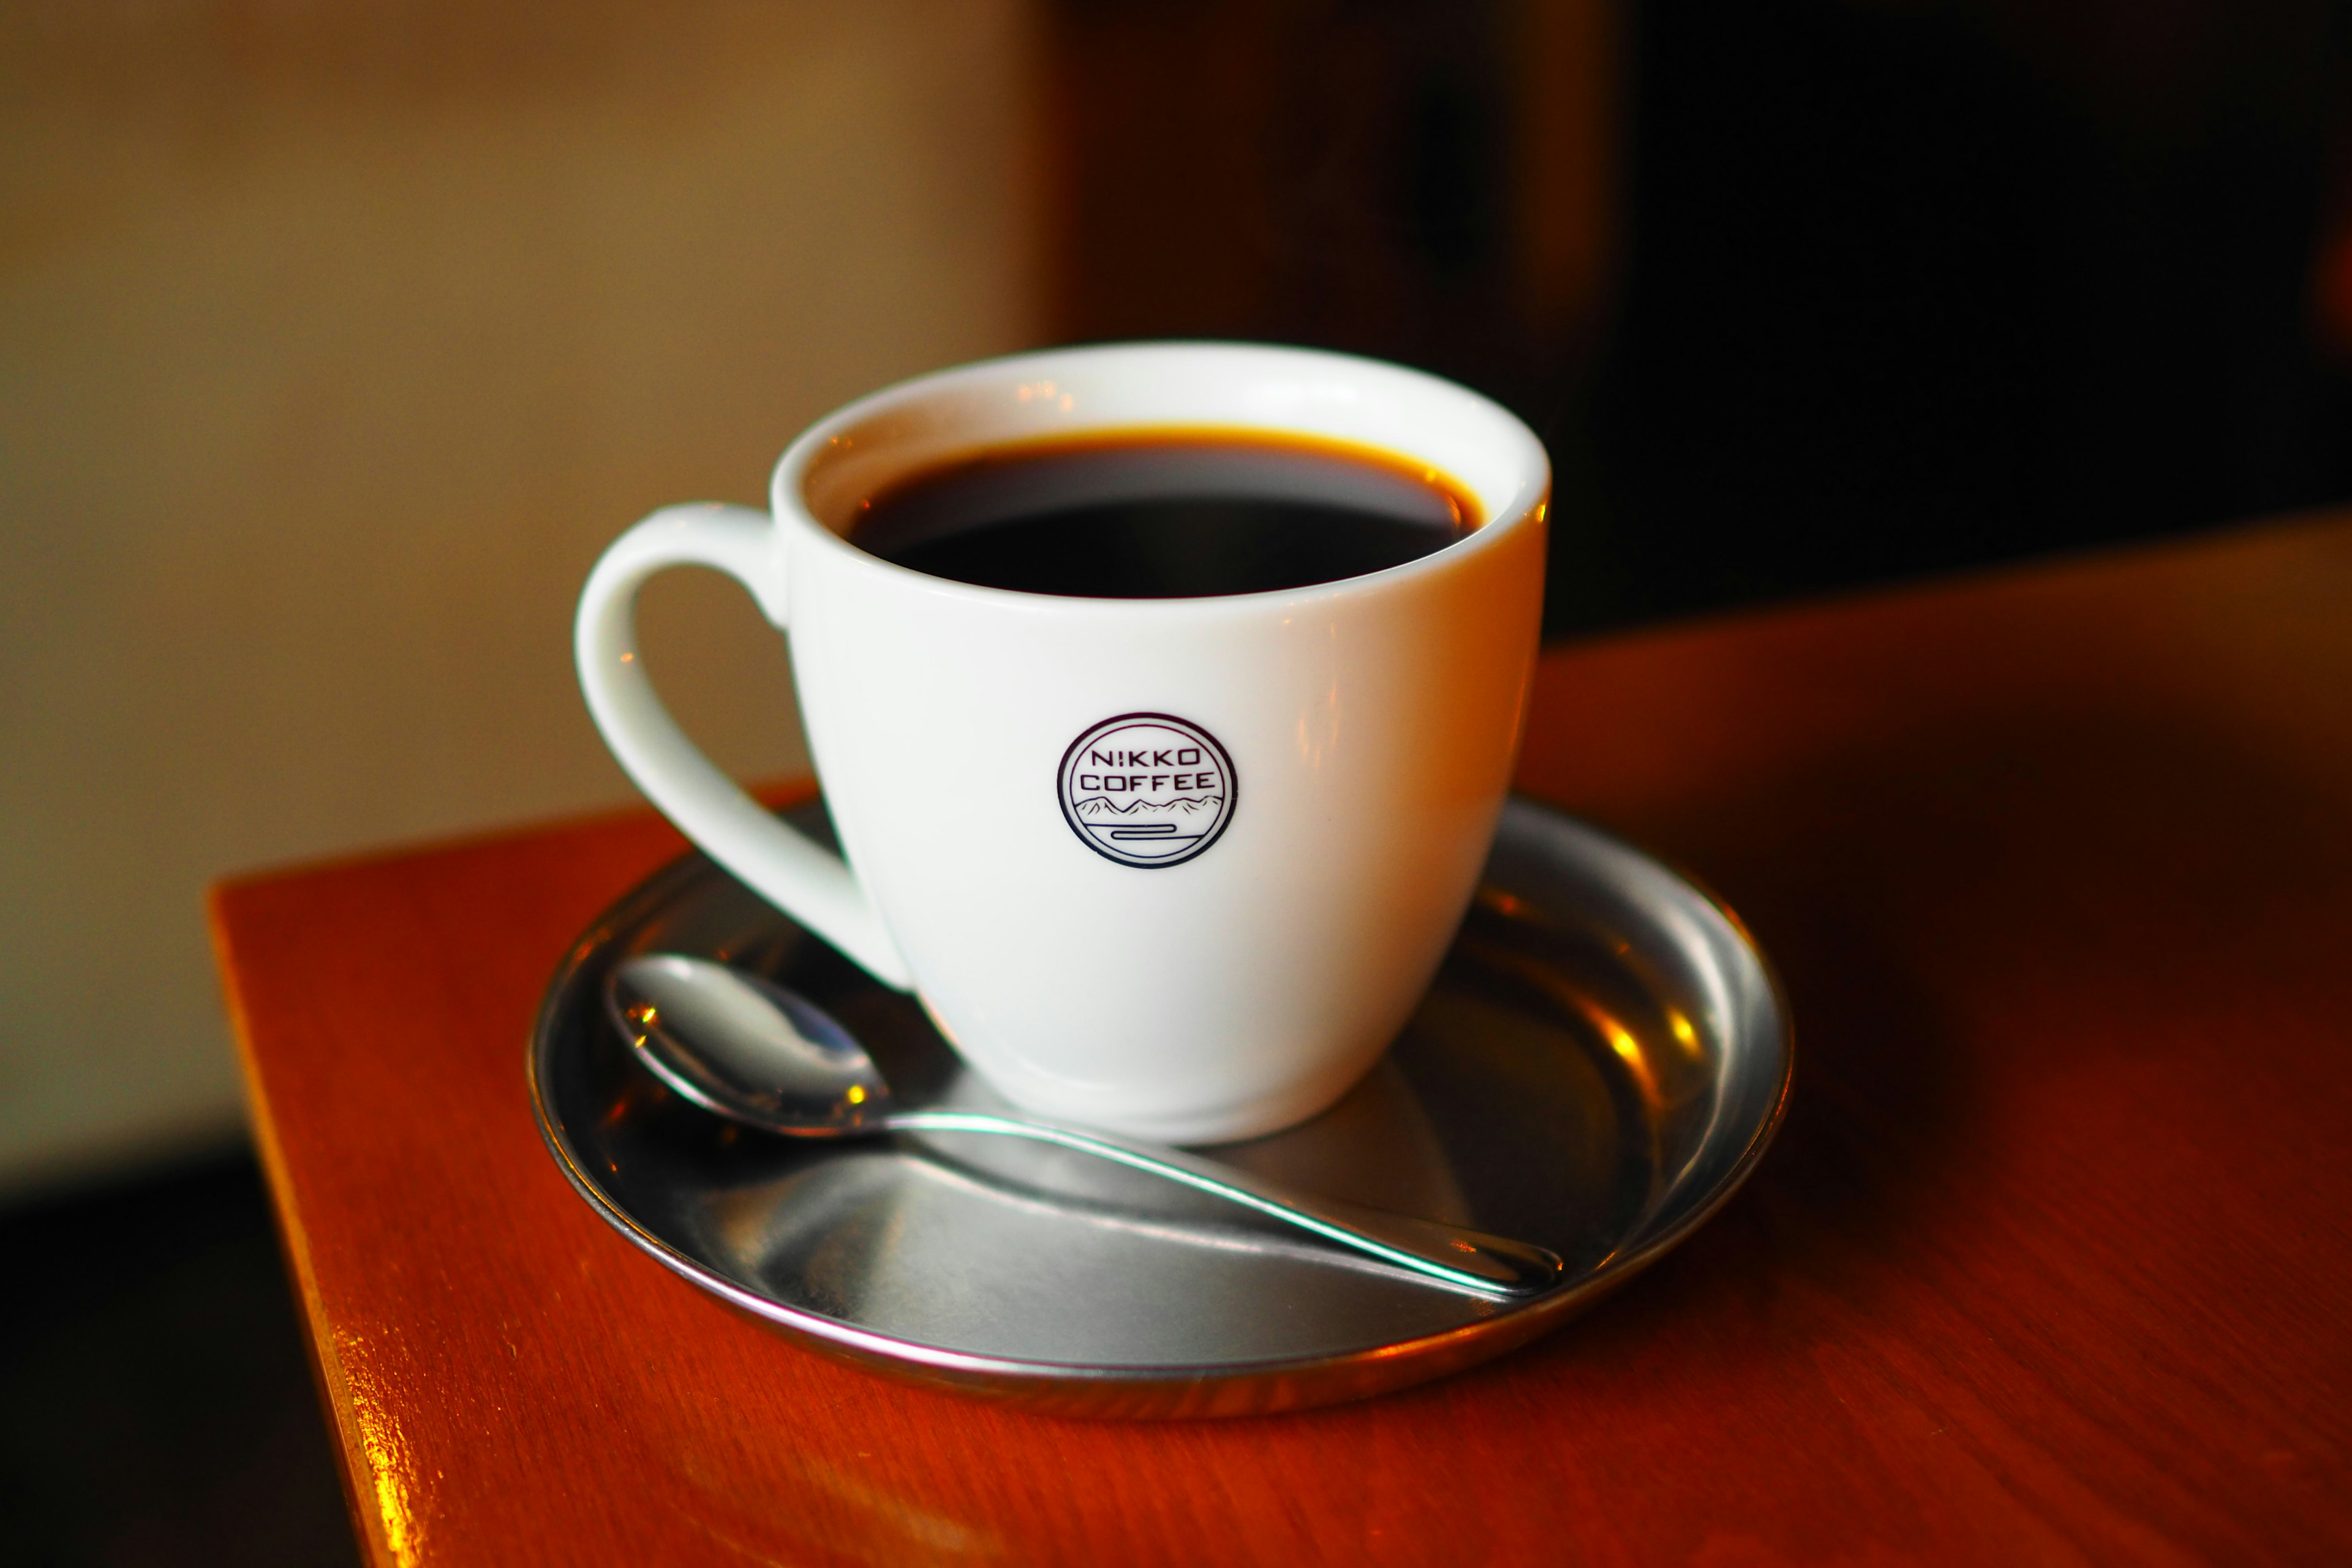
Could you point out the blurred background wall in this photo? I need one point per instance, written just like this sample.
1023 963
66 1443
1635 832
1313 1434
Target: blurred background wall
335 341
336 337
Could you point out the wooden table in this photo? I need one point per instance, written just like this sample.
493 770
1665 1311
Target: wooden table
2051 1263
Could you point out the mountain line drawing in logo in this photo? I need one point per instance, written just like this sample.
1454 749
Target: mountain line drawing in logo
1189 805
1147 789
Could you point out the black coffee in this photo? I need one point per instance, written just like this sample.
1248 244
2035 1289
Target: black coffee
1164 516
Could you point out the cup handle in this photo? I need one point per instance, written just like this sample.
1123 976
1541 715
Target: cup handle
814 886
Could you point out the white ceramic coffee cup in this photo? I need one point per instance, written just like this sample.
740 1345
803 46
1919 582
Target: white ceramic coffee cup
1346 745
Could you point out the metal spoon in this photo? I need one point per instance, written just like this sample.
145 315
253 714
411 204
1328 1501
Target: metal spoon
752 1051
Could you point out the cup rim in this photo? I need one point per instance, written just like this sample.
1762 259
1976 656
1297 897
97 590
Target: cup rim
1525 504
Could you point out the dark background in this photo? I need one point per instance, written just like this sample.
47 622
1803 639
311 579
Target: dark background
1801 295
1882 289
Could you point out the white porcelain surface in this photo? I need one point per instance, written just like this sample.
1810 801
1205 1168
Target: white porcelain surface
1367 729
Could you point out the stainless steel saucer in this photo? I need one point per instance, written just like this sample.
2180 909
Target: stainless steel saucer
1601 1061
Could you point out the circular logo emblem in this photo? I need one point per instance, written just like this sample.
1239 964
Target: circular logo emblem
1147 789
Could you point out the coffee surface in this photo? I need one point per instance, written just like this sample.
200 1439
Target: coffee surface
1155 517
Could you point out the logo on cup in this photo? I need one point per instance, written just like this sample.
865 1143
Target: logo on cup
1147 789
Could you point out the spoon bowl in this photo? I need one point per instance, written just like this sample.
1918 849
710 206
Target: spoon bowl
747 1048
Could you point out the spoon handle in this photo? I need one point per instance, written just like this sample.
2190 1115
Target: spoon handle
1449 1254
